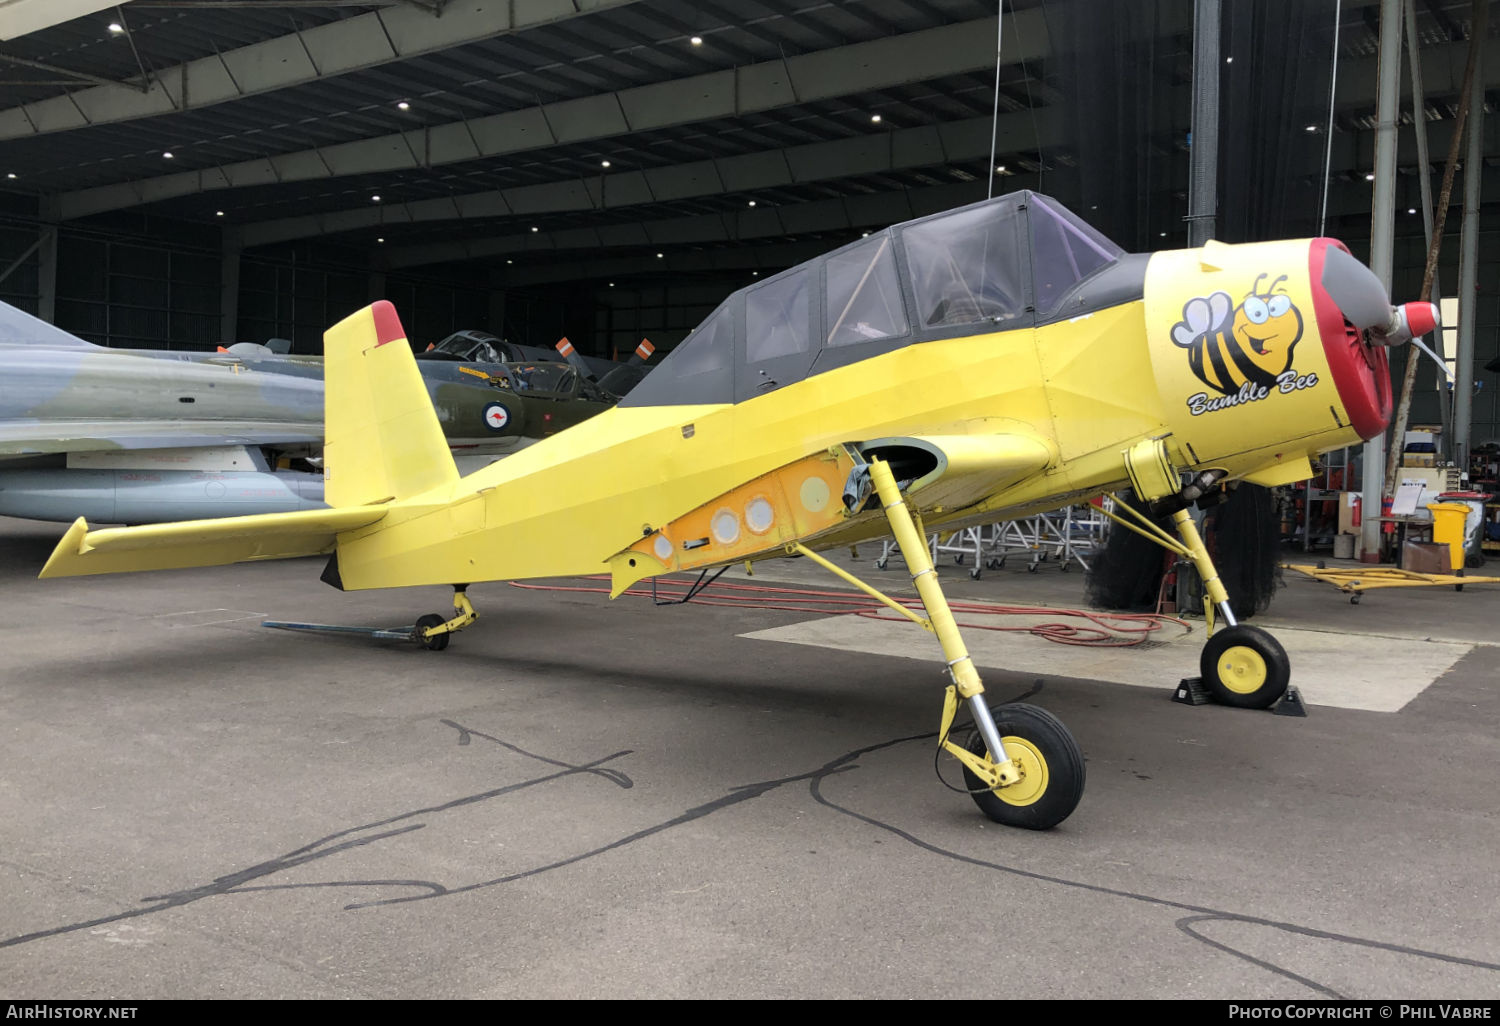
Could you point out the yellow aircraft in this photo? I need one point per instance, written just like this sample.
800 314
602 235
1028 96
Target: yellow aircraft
985 363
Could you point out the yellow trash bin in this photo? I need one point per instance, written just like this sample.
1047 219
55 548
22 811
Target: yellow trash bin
1448 529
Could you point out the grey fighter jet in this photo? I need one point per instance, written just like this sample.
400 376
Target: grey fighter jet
136 436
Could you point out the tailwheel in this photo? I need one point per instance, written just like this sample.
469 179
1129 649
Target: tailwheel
435 643
1244 666
1051 765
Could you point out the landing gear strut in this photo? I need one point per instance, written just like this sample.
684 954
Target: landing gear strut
1022 766
1241 666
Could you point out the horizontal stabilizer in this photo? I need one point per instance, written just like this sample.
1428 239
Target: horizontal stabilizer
203 542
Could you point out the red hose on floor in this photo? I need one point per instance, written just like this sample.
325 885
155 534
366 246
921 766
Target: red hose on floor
1103 630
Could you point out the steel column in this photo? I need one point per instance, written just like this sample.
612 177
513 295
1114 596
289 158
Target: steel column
1382 227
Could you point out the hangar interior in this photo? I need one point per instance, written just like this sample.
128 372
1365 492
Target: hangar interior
608 790
184 174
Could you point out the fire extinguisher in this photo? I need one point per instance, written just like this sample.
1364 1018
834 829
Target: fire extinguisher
1354 515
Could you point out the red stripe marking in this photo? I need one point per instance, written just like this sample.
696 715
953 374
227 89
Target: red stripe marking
387 324
564 346
645 349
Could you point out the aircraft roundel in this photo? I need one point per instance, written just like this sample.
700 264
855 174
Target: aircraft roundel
496 416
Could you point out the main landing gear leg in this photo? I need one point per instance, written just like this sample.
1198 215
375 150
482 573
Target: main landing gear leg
1023 768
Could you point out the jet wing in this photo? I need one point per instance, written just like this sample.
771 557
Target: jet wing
30 437
204 542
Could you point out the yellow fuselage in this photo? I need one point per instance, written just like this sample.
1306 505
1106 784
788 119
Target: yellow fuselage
1089 388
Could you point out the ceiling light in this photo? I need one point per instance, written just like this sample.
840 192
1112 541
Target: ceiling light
375 198
166 154
1000 169
875 118
866 235
116 27
11 175
611 284
535 228
1409 210
510 261
1311 128
658 256
696 40
604 163
403 105
1228 60
752 203
381 239
1370 177
218 213
1164 235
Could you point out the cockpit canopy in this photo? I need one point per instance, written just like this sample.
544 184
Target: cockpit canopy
1007 262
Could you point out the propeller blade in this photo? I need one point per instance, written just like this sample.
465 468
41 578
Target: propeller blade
1356 290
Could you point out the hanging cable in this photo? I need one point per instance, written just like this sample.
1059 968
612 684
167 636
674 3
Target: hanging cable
1333 81
995 113
1100 629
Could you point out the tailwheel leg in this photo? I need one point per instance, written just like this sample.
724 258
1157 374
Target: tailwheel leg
1028 772
433 632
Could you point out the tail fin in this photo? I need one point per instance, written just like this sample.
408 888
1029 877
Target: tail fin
383 440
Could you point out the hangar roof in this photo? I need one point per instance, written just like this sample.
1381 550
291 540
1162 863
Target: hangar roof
565 138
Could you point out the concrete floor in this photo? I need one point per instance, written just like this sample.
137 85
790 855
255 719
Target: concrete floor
586 799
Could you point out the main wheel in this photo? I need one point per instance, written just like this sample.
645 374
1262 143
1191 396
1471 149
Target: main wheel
437 642
1244 666
1051 766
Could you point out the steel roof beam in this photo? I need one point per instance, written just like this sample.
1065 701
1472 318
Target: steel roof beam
906 148
364 41
826 74
844 214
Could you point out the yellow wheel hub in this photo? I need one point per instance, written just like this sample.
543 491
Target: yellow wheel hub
1242 670
1033 783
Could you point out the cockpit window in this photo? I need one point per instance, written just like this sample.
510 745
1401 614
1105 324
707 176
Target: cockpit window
966 266
539 377
863 296
776 318
1064 251
470 345
699 370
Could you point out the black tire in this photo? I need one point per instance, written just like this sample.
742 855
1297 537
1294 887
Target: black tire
437 642
880 564
1245 667
1030 734
974 573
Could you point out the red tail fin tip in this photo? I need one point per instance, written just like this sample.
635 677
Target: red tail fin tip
387 325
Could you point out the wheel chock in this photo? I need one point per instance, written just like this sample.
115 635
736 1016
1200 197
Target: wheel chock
1290 704
1190 691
